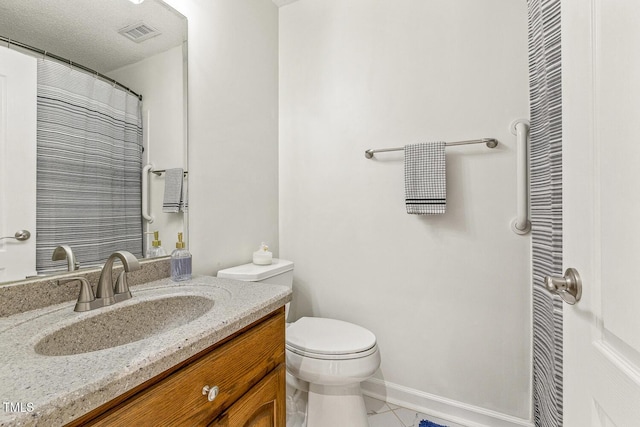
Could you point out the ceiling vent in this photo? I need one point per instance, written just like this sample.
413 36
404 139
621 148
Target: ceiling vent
139 32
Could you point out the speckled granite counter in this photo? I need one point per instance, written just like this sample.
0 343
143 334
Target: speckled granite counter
43 291
54 390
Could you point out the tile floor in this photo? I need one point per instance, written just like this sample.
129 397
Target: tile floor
382 414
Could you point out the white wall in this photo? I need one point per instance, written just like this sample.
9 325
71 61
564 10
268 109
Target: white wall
160 81
233 129
448 297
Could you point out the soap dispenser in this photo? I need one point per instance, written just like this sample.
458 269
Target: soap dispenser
180 262
156 249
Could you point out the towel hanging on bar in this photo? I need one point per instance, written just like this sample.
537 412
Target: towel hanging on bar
173 194
425 178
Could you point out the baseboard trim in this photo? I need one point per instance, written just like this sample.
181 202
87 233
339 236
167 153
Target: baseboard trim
446 409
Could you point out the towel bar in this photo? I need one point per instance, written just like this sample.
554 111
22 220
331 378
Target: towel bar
161 171
146 214
490 142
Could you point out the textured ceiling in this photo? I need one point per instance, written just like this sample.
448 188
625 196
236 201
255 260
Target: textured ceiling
86 31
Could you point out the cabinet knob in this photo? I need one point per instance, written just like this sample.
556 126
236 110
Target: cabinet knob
210 392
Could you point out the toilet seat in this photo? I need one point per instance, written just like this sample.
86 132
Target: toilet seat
322 356
329 339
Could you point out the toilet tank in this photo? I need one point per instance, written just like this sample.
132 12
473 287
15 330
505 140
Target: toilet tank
279 272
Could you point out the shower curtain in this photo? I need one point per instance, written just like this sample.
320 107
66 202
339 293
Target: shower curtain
546 206
89 160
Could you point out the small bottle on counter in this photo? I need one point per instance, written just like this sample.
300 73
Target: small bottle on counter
156 248
180 262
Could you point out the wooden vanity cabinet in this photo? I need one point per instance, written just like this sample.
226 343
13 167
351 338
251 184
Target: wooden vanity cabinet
260 406
248 368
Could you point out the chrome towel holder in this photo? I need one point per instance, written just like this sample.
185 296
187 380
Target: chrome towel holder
150 168
520 128
490 142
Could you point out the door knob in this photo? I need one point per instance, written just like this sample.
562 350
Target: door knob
20 235
568 287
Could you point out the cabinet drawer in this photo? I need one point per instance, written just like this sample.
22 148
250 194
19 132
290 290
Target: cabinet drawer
234 368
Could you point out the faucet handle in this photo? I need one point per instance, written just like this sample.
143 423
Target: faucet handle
63 252
86 296
121 290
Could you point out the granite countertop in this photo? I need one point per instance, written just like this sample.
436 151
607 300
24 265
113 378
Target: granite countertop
54 390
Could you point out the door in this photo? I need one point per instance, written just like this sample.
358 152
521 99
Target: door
601 210
18 86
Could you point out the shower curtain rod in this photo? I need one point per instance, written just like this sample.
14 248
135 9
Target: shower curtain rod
491 143
88 70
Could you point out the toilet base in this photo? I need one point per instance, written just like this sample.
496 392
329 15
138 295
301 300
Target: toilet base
297 409
331 406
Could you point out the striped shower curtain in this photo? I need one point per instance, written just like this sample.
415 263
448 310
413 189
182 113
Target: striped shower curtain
545 71
89 144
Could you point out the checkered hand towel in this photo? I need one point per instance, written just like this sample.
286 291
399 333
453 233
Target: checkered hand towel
425 184
172 190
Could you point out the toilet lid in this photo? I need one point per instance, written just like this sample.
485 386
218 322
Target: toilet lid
254 273
320 336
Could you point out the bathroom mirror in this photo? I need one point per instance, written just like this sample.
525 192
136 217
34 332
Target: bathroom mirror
142 45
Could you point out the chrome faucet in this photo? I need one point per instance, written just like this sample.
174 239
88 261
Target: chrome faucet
105 292
65 252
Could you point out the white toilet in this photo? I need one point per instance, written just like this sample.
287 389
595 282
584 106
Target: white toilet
327 358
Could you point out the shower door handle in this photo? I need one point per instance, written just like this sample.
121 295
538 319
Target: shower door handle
568 287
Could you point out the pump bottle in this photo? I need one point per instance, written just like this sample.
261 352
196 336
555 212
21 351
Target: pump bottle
180 262
156 249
